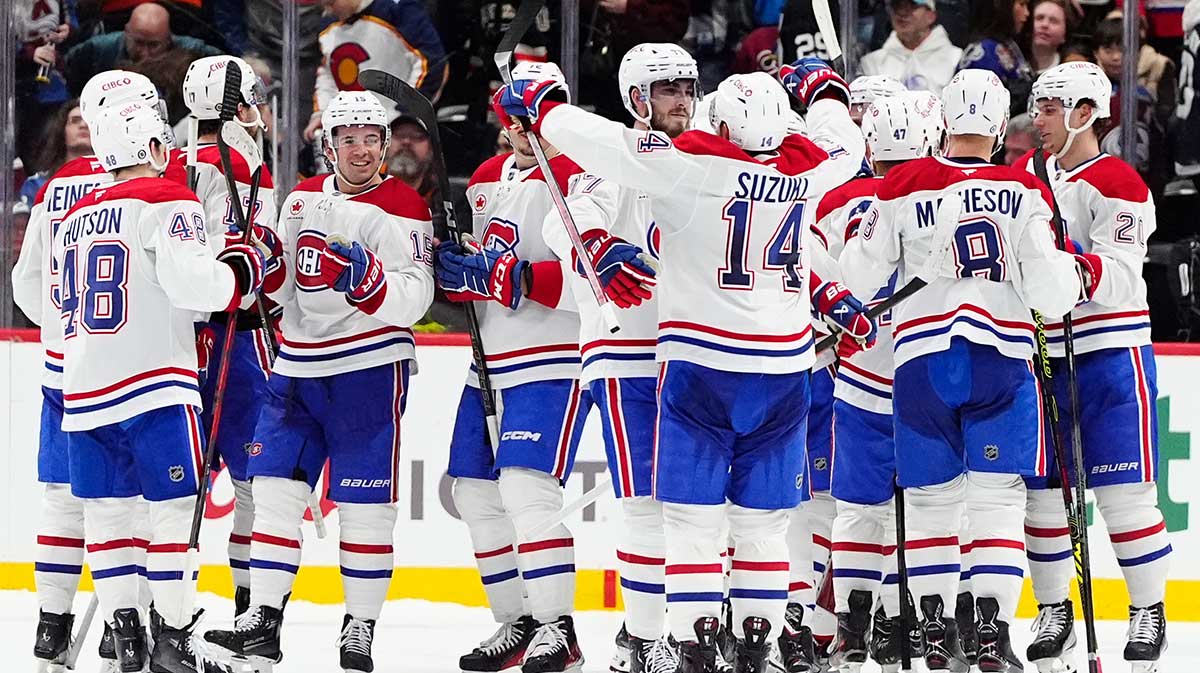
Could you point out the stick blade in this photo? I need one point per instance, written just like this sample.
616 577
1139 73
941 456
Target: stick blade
517 28
236 138
232 95
828 30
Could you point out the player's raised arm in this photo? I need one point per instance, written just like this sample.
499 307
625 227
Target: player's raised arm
829 125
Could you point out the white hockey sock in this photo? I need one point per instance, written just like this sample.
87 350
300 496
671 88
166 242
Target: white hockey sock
858 533
107 524
239 537
143 532
933 515
889 596
494 541
1139 539
758 583
801 582
275 543
995 514
821 510
547 561
695 575
59 556
166 558
964 539
366 555
641 560
1048 545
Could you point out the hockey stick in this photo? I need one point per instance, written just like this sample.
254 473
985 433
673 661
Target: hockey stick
417 105
910 288
908 620
193 131
829 33
81 633
592 495
516 30
1077 514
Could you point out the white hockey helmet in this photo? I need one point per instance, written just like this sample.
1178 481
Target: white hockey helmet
975 102
117 87
892 129
928 109
865 89
537 70
121 135
652 62
754 107
1073 83
355 108
204 87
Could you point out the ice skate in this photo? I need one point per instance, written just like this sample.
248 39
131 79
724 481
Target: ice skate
753 649
108 651
942 651
241 600
1054 639
53 640
554 648
182 651
796 648
623 653
849 649
254 638
503 650
964 618
129 640
1147 638
701 656
653 656
354 645
995 654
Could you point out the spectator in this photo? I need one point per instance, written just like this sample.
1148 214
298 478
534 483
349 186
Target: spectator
918 52
1078 51
410 157
757 51
392 35
1019 139
147 34
996 24
66 137
166 70
1052 22
39 29
1155 72
1187 114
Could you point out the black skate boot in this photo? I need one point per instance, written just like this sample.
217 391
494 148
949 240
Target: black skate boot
942 652
1051 648
849 651
355 645
726 641
623 654
885 641
241 600
505 649
995 654
182 651
653 656
554 648
701 656
1147 638
964 618
796 647
53 637
108 651
129 640
752 651
255 637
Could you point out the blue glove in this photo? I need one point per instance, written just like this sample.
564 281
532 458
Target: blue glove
349 267
811 79
528 98
473 273
835 302
626 277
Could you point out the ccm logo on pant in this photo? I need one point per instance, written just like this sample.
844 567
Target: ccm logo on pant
521 435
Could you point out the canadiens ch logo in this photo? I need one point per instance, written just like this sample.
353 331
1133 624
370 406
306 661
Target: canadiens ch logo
653 239
175 473
252 448
309 244
501 235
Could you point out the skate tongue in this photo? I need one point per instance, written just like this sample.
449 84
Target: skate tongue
1143 627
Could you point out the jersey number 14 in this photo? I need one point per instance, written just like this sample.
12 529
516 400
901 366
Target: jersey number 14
782 252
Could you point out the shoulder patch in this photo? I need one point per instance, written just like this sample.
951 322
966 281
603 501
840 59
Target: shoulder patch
1114 179
489 171
394 197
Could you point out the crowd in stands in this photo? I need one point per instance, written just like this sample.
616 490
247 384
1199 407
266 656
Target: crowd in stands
444 48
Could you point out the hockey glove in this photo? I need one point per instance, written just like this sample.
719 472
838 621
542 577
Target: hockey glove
811 79
835 302
626 278
272 249
247 263
206 338
349 267
529 98
1091 269
472 273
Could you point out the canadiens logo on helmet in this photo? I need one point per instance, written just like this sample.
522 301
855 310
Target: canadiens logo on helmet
175 473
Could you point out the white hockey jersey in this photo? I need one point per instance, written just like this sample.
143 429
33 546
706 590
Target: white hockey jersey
214 193
35 276
511 208
999 260
630 352
323 334
135 268
864 379
734 287
1109 211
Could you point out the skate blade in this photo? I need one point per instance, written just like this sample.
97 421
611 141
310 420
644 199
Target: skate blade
1055 664
1143 666
620 661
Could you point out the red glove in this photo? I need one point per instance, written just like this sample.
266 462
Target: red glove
352 268
205 340
1091 270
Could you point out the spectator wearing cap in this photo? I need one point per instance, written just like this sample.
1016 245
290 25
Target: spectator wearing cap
410 157
918 52
1019 138
147 34
994 47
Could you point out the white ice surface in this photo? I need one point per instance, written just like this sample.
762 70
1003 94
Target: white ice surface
422 637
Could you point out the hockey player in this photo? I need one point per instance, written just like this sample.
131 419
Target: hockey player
1109 214
203 88
897 130
530 330
966 407
60 546
134 267
719 200
657 83
866 88
357 256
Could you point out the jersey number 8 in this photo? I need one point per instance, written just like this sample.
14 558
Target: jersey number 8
101 294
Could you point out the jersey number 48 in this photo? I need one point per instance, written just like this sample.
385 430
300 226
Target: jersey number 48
94 294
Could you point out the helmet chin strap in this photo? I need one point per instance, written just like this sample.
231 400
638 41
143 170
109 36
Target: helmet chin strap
1071 133
257 122
159 168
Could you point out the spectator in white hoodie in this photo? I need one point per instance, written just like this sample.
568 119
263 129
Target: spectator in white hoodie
918 52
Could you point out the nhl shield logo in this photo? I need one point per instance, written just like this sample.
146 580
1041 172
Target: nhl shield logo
991 452
799 481
821 464
175 473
